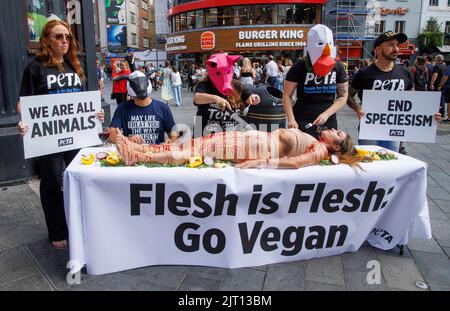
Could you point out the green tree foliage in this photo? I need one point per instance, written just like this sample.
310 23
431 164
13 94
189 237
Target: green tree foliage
431 37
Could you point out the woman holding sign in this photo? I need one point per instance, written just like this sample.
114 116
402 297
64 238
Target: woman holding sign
55 69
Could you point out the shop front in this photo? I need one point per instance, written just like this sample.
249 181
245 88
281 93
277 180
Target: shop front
255 42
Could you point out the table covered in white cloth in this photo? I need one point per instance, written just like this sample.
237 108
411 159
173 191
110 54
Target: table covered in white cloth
122 218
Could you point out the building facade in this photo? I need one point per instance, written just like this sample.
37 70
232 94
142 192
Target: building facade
253 28
439 9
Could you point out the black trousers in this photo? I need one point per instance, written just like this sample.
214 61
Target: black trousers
50 169
302 121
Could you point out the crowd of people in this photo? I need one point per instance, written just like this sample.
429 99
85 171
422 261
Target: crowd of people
143 127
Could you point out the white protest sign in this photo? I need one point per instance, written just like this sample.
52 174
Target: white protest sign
399 115
60 122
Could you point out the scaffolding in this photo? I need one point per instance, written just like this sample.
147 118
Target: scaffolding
353 23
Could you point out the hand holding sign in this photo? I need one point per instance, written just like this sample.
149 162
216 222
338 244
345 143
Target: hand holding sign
60 122
399 116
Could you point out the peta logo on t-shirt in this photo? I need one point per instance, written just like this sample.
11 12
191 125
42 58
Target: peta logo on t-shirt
389 85
63 80
318 80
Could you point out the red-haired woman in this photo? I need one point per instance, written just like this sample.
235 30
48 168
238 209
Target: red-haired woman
55 69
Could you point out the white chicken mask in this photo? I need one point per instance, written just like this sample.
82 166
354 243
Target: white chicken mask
321 50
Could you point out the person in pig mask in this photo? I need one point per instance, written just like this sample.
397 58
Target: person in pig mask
321 83
218 96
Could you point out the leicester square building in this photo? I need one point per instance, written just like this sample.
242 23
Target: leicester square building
252 28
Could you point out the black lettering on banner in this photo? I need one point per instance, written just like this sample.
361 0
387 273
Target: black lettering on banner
38 112
372 191
192 242
332 197
293 246
179 199
221 199
355 203
204 206
268 236
297 197
136 199
254 201
194 239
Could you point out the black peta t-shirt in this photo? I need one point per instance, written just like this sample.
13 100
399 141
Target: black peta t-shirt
41 80
315 94
399 78
213 119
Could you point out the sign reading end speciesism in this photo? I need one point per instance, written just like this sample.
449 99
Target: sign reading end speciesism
60 122
399 116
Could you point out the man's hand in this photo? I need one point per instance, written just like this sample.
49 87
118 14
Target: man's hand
292 124
138 139
437 117
360 113
22 128
321 119
253 99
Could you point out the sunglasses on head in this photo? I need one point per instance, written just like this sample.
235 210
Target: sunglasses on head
61 36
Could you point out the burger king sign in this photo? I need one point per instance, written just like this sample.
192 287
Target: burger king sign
207 40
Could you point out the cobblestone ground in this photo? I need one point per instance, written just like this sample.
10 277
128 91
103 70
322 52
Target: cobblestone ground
27 262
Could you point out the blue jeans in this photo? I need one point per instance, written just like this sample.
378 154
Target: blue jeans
386 144
272 81
177 94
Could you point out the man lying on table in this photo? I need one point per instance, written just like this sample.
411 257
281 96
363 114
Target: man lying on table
142 119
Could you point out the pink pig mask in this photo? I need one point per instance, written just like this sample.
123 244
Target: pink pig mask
220 71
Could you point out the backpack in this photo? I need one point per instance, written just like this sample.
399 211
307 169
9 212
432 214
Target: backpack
420 79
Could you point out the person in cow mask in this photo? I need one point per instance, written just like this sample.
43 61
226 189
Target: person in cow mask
142 119
321 83
218 96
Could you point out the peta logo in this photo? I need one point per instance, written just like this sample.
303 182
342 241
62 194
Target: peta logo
318 80
383 234
397 133
389 85
63 80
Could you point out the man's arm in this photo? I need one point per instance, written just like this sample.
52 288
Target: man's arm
433 79
341 100
288 92
351 102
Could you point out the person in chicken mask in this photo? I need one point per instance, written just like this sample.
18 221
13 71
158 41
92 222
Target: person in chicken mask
321 83
142 119
218 97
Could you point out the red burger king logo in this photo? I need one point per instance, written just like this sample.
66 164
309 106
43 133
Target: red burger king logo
207 40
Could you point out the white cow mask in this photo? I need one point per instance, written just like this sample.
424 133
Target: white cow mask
321 50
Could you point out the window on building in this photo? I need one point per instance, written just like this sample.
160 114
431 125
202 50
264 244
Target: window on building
225 16
146 43
447 33
241 15
144 23
199 19
133 18
133 39
144 4
177 22
183 21
400 26
191 19
211 18
260 14
380 27
434 2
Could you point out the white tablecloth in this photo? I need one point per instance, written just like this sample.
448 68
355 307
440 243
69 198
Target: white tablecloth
121 218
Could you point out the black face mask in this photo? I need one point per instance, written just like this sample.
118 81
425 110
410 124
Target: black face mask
140 86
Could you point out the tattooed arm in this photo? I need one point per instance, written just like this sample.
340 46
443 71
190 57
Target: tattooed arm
351 102
341 99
